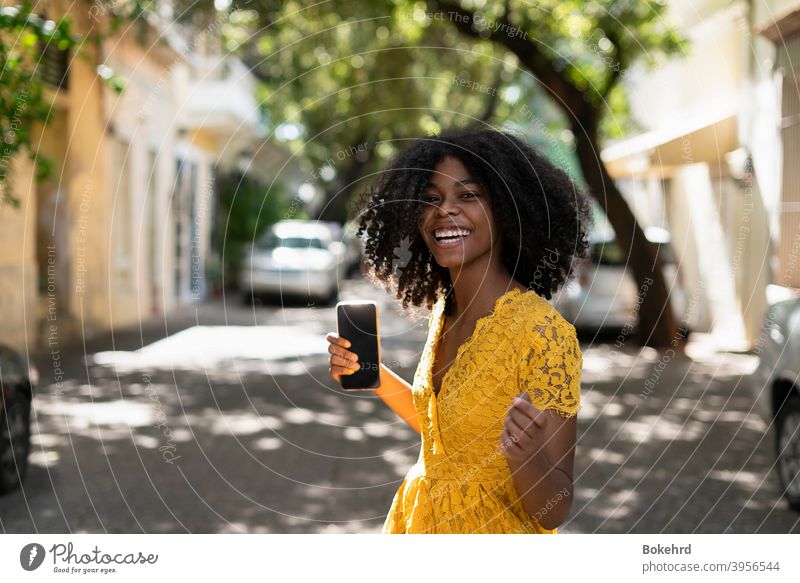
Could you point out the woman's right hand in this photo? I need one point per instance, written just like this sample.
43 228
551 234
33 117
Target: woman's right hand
342 361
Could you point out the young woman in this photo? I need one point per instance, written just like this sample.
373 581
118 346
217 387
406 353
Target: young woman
493 229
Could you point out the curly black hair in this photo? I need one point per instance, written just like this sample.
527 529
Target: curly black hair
543 215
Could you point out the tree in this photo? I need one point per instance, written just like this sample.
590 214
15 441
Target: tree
554 40
24 37
249 207
350 61
341 81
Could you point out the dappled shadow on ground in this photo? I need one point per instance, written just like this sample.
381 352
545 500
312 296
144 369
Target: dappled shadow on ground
673 444
251 443
246 432
157 452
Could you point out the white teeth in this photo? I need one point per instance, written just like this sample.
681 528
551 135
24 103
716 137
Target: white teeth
440 233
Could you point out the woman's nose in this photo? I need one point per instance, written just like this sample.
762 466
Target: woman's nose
447 208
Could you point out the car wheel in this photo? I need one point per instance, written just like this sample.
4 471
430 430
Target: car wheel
15 443
787 434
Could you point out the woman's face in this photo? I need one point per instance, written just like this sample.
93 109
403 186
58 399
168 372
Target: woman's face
456 221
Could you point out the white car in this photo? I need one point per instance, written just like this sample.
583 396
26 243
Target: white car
604 293
775 387
294 258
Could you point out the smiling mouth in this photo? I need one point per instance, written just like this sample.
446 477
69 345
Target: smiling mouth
450 237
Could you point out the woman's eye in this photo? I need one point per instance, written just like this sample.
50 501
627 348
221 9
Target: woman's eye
433 197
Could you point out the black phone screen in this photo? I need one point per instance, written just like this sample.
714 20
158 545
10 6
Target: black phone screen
357 321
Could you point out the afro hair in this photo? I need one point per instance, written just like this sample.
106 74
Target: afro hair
542 214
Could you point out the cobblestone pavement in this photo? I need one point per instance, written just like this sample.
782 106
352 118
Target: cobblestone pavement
227 421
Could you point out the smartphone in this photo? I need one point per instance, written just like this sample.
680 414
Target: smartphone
357 321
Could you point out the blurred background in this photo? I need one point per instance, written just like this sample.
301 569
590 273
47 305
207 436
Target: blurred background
177 181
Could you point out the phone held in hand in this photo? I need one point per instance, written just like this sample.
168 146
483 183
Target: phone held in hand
357 321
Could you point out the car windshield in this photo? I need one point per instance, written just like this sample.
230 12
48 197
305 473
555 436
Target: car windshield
273 241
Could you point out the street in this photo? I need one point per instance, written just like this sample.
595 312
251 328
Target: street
227 421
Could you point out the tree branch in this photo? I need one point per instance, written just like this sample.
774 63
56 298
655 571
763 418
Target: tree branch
525 50
491 103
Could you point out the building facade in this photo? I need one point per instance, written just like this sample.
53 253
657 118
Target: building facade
120 230
716 163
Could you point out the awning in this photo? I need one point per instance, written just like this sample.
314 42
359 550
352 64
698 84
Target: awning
702 138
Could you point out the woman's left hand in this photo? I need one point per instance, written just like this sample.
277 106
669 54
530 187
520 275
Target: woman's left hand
523 435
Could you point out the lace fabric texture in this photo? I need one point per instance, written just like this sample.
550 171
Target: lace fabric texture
461 483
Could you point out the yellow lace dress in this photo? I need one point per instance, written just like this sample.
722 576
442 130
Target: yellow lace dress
461 483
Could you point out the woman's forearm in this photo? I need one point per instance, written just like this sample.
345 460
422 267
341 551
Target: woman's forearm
545 491
396 393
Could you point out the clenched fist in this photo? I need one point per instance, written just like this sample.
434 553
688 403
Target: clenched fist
523 434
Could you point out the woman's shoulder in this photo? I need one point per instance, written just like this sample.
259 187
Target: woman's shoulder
514 316
534 309
536 318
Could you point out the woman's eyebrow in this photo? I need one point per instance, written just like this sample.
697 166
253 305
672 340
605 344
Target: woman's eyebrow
463 182
466 181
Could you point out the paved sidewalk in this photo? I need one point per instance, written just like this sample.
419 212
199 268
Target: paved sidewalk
674 444
249 444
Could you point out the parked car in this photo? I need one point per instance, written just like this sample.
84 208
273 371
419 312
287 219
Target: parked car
16 389
294 258
349 254
775 385
604 293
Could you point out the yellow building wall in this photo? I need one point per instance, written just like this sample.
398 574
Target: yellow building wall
109 200
76 258
19 308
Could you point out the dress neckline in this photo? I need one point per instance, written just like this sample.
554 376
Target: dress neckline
499 303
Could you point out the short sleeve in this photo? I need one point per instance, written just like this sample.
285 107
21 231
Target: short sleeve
550 365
